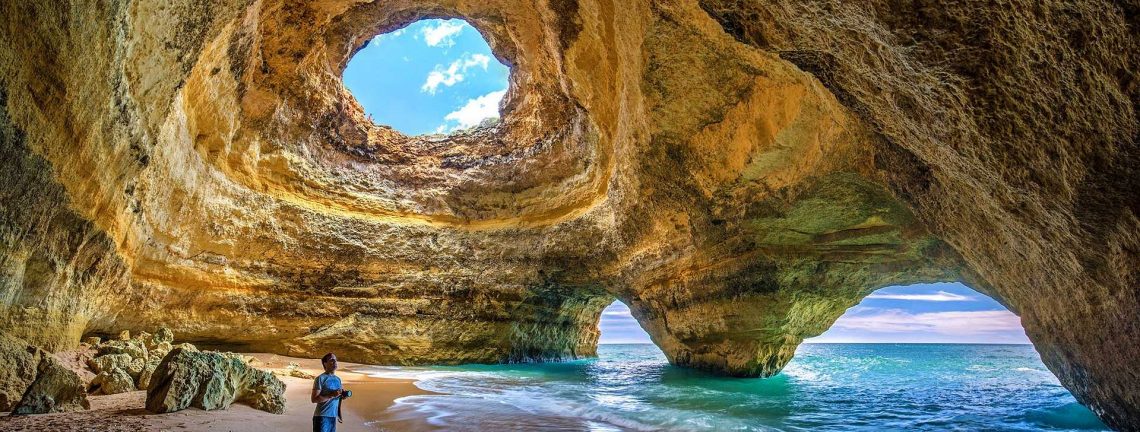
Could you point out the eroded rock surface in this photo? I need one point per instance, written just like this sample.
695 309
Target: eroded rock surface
20 369
211 381
739 173
56 389
33 381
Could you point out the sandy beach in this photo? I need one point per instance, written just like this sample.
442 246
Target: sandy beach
124 412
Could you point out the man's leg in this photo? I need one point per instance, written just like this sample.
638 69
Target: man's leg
324 424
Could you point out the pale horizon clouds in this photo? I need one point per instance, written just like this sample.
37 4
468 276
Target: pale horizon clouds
454 73
945 312
940 296
442 34
958 323
476 110
618 326
923 313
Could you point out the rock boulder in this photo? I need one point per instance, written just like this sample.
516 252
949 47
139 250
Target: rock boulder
19 370
134 348
210 381
112 381
56 389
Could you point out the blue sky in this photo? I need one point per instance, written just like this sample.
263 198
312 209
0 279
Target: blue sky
433 76
922 313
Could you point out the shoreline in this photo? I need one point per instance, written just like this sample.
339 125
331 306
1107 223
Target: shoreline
372 396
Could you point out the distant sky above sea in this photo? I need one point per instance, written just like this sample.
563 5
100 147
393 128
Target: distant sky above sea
921 313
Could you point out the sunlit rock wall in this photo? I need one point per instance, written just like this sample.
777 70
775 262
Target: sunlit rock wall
738 172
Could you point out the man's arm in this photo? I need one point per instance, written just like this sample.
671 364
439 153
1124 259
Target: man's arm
317 397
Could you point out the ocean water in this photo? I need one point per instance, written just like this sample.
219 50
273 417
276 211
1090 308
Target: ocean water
869 387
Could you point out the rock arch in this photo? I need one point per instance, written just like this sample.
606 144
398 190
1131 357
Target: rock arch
734 171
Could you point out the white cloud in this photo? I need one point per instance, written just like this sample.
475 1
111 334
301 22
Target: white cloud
957 323
940 296
442 34
481 60
447 77
389 36
476 110
453 74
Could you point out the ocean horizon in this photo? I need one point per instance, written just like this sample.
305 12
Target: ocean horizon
828 386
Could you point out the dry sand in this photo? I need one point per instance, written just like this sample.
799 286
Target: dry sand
124 412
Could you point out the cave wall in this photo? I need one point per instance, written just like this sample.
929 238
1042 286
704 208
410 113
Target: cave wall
739 173
57 270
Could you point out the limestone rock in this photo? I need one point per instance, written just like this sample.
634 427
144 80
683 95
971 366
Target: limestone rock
159 343
56 389
107 362
147 373
138 356
20 367
211 381
133 348
159 350
163 335
112 381
294 370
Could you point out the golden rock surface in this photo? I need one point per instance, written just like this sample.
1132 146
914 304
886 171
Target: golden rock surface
738 172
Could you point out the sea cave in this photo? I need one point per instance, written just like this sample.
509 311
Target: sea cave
739 174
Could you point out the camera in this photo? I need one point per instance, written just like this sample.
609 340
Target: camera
347 394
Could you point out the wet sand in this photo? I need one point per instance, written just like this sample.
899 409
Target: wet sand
125 412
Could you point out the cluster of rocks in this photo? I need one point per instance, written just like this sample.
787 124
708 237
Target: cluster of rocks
175 377
33 381
127 364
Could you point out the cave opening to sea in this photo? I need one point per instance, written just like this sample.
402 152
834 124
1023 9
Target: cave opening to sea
434 76
940 352
617 326
945 357
934 313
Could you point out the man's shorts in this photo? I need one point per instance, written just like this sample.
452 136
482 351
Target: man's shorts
324 424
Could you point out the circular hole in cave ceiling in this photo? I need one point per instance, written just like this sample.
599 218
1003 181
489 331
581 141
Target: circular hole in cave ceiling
434 76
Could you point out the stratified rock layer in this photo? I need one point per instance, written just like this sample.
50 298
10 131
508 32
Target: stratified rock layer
739 173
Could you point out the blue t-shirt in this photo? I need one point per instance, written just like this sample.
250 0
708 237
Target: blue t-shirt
323 383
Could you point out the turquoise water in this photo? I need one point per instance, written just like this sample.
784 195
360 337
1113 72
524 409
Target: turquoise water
869 387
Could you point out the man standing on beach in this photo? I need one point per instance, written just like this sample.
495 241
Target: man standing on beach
327 392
